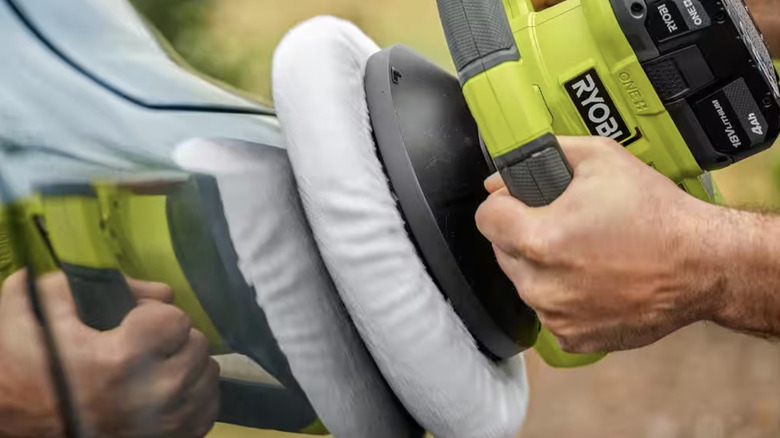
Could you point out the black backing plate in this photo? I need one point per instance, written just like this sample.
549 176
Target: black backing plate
430 147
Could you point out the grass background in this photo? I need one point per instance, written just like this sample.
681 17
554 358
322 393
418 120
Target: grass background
702 382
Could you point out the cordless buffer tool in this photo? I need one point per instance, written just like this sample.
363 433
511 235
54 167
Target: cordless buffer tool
687 86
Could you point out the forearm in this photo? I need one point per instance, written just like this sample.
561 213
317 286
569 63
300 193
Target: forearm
745 270
26 412
17 423
767 16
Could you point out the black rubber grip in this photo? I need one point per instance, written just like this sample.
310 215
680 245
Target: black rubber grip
478 35
536 173
102 296
666 78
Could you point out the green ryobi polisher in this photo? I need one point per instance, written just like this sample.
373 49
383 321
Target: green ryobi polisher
687 86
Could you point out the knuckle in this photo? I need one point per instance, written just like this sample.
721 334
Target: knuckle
558 326
135 319
152 307
482 216
163 292
588 168
606 142
554 240
531 296
171 318
199 342
173 386
541 296
213 371
485 217
568 346
536 245
549 323
546 244
202 429
179 318
176 424
116 356
206 420
572 340
567 342
206 414
177 327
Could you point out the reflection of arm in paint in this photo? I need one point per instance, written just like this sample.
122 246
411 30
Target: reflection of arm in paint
150 377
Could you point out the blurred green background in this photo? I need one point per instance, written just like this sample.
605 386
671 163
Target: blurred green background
702 382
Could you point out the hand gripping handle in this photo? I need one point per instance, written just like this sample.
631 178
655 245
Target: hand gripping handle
478 35
102 296
534 169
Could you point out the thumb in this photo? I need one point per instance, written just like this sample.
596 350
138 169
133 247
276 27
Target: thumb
494 183
58 303
507 222
144 291
511 225
53 294
56 298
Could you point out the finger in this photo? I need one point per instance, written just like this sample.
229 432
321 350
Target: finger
208 381
190 361
206 421
494 183
156 327
200 404
203 419
506 222
146 290
56 298
520 271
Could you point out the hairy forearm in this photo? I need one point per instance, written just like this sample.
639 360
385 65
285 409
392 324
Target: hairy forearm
17 423
26 411
767 16
744 261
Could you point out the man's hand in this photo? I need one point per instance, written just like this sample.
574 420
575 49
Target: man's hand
767 16
618 261
150 377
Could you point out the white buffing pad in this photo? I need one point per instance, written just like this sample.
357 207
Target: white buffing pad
414 336
277 255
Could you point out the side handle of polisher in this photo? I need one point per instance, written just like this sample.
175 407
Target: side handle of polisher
73 229
510 114
102 296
